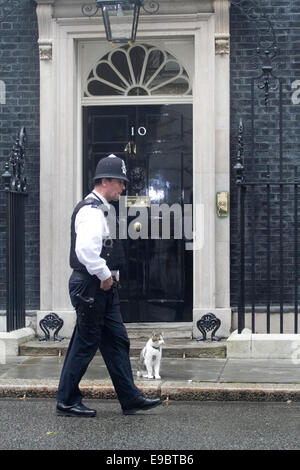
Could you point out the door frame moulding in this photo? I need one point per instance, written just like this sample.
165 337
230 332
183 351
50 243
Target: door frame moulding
134 100
61 147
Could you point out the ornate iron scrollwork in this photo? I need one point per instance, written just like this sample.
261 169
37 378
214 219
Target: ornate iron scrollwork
266 43
90 9
137 179
13 177
208 322
149 6
265 35
53 322
239 166
267 82
7 7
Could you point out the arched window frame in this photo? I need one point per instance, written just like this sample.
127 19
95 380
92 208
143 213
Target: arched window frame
126 86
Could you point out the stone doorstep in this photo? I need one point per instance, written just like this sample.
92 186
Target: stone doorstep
11 341
173 348
178 342
250 345
144 330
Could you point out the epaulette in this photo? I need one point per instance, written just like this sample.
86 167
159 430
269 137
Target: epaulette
95 203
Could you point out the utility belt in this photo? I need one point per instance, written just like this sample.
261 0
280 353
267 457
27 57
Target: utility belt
90 304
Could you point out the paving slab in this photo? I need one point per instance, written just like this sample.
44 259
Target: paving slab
181 379
171 369
261 370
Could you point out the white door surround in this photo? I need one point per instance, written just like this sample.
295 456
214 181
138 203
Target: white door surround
61 144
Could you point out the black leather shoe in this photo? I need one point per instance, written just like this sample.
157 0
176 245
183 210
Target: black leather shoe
140 404
78 410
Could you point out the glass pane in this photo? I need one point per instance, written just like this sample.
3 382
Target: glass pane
96 88
120 19
169 70
176 87
137 91
137 57
155 59
105 71
119 60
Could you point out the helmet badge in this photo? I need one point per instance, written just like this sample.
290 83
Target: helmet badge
124 167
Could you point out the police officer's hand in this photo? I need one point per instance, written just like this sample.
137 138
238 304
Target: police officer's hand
106 285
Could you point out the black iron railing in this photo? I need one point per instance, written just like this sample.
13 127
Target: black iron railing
267 224
268 240
16 189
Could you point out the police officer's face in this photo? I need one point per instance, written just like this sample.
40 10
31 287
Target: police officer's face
113 189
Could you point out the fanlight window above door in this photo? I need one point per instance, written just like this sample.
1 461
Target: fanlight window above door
138 70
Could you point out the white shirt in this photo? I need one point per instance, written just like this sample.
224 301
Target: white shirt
91 227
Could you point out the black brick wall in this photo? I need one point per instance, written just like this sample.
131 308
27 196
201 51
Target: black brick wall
285 18
19 68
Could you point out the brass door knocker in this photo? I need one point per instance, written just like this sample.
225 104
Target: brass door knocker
130 149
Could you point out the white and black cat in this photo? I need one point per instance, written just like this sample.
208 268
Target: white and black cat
150 357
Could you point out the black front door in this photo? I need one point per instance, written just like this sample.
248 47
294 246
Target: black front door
156 143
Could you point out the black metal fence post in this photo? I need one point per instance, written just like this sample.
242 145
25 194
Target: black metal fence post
239 168
16 189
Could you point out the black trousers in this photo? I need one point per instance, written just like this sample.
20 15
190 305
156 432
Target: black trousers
106 331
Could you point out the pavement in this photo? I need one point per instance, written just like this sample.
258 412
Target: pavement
184 376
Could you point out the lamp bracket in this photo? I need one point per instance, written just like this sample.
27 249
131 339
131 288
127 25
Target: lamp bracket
149 6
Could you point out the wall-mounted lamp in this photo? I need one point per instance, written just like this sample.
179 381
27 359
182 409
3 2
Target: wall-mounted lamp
120 17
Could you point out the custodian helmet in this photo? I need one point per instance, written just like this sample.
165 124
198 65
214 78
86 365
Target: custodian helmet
111 167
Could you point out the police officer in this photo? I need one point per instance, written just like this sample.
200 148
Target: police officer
94 295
